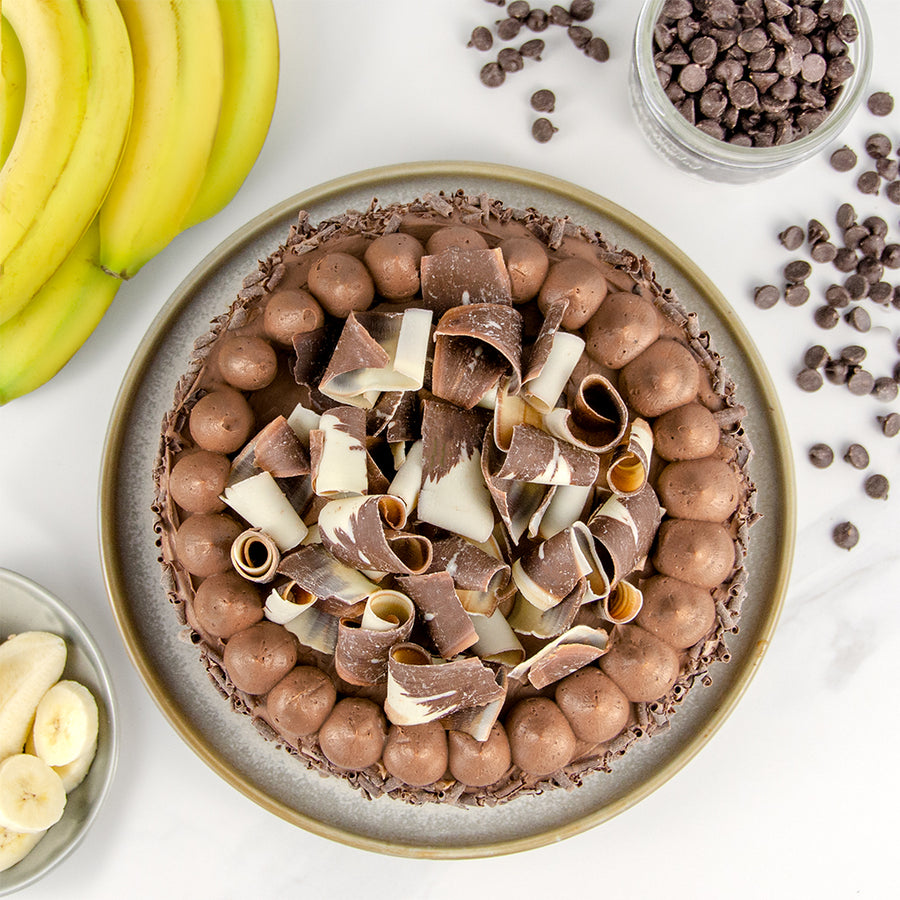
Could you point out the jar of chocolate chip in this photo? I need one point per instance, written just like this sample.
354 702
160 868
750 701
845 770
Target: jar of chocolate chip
741 91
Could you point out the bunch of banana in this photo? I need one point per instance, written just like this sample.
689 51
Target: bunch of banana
48 739
123 124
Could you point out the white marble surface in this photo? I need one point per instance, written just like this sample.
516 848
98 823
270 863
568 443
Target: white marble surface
796 795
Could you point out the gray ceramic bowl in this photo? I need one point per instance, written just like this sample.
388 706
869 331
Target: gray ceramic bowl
29 607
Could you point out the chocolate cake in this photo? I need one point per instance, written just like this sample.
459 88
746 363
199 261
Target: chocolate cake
453 499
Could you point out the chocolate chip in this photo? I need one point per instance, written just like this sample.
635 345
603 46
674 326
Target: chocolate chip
876 225
837 295
519 9
797 270
481 39
796 294
853 354
845 216
508 28
877 487
885 389
881 292
597 49
581 10
792 237
510 60
859 319
890 256
843 159
836 371
857 286
857 456
854 235
823 252
809 380
815 357
492 75
860 382
880 103
845 259
532 49
890 424
816 231
579 35
538 20
559 15
892 192
821 456
888 169
878 146
543 100
869 182
872 269
845 535
826 317
766 296
542 130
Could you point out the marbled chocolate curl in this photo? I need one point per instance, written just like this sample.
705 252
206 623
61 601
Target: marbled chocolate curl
624 529
447 622
279 451
286 601
419 691
338 452
540 458
255 556
378 351
474 346
597 420
471 567
458 276
361 653
630 463
572 650
622 604
363 532
546 574
261 501
479 721
317 571
497 642
526 618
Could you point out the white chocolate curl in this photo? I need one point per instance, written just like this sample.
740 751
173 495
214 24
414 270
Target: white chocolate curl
562 656
408 481
255 556
286 602
338 454
497 642
260 501
544 390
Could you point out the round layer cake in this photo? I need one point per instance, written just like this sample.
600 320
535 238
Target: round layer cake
454 500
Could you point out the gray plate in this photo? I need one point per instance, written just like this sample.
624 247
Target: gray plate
228 742
27 606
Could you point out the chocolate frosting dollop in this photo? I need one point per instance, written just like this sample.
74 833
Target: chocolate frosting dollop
641 664
594 705
679 613
258 657
247 362
197 480
221 421
479 763
299 704
416 754
203 543
225 604
686 432
664 376
353 735
540 738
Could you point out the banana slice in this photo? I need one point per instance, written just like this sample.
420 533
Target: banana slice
74 772
30 663
65 723
32 796
15 846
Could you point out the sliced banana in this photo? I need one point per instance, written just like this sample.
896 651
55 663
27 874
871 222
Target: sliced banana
74 772
16 845
30 663
65 723
32 796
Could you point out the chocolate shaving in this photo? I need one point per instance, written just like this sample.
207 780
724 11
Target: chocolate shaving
279 451
448 624
471 568
458 276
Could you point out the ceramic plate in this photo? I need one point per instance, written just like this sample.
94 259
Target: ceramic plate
229 743
26 606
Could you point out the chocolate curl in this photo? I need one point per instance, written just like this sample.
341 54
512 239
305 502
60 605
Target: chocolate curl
419 691
287 601
478 721
385 410
261 501
317 571
597 420
624 529
540 458
622 604
279 451
453 494
458 276
511 410
552 360
378 351
311 349
316 629
361 653
630 464
337 450
525 618
497 642
255 556
471 567
480 603
473 347
363 532
549 572
571 651
565 509
448 624
302 421
407 482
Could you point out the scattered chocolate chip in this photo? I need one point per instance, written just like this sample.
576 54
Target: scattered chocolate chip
581 10
481 39
845 260
823 252
877 487
890 256
881 292
843 159
519 9
597 49
815 357
880 103
532 49
508 28
890 424
878 146
885 389
859 319
837 295
510 60
876 225
809 380
826 316
853 354
792 237
836 371
821 456
492 75
860 382
845 535
542 130
857 456
796 294
579 35
559 15
869 182
854 235
892 192
543 100
857 286
538 20
766 297
797 270
845 216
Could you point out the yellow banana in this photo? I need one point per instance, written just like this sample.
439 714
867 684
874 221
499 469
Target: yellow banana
178 66
12 70
82 183
250 41
54 42
37 342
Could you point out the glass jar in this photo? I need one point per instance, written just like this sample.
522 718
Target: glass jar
692 150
